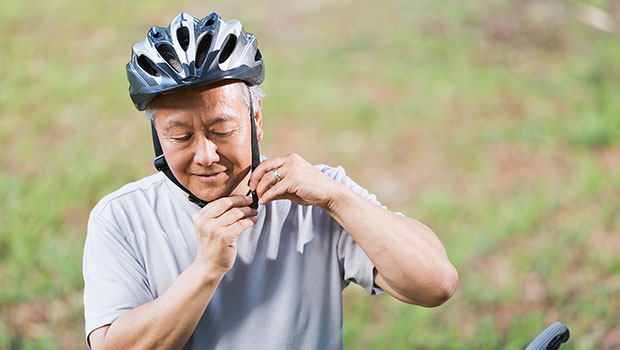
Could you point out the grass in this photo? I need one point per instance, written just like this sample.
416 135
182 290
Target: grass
497 125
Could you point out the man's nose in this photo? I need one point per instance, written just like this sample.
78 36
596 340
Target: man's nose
206 154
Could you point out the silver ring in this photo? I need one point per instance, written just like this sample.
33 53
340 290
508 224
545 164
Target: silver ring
276 173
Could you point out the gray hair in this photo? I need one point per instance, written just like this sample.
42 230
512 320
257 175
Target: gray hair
256 94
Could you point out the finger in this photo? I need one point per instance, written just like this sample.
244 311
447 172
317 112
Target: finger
269 180
275 192
264 167
235 214
219 206
239 226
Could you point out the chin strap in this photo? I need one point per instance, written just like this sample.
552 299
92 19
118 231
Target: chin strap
255 152
161 164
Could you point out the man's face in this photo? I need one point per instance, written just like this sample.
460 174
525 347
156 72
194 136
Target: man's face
206 137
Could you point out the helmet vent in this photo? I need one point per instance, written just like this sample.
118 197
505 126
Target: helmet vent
203 49
167 53
227 47
147 65
210 22
258 55
183 37
155 33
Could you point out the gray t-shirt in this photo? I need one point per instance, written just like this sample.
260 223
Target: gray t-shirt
283 292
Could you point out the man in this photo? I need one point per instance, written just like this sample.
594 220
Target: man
260 253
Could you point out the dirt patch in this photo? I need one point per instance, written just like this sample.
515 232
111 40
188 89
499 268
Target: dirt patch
529 24
611 340
609 159
49 318
516 166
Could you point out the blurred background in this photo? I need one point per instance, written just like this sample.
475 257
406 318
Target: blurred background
496 123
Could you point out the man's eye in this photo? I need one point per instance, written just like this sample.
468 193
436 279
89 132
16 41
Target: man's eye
182 138
222 133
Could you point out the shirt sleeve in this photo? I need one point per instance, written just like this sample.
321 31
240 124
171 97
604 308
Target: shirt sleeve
356 265
114 279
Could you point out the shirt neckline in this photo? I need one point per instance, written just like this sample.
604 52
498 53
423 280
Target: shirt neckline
179 195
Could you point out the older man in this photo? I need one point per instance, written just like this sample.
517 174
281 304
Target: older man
260 253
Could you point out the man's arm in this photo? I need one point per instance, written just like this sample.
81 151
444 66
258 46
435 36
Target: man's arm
411 263
169 321
166 322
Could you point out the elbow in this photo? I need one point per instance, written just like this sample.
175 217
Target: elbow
443 289
446 286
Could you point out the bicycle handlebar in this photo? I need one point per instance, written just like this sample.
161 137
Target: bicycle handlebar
551 338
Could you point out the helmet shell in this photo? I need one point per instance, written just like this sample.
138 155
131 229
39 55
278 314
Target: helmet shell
192 52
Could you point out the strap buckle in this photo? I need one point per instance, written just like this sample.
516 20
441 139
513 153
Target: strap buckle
160 163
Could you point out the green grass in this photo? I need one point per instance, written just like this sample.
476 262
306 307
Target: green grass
497 125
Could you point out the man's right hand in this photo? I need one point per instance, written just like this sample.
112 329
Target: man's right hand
217 226
158 323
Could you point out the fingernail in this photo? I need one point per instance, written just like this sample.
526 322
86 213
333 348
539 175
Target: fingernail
248 198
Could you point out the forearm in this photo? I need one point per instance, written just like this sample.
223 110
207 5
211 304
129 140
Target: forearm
166 322
406 253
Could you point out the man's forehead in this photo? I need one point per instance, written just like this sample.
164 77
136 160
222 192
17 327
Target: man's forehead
221 103
226 93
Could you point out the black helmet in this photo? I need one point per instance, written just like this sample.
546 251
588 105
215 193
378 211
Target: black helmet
191 52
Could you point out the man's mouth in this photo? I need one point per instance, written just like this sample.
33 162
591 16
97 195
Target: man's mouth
211 176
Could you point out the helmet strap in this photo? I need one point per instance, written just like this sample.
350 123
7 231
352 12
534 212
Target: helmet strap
161 164
255 152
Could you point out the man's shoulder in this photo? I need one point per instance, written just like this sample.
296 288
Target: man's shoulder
141 191
337 173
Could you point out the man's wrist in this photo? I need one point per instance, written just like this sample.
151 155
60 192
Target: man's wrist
338 197
205 273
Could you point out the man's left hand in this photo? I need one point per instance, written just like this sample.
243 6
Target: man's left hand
298 181
411 263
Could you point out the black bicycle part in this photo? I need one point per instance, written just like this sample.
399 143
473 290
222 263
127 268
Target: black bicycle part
551 338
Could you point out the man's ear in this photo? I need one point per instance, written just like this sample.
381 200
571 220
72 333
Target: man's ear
258 119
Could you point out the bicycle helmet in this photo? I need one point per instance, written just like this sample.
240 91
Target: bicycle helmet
188 53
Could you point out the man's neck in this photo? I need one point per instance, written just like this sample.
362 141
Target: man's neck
242 188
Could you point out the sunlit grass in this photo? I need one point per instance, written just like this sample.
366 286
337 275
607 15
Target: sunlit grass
498 126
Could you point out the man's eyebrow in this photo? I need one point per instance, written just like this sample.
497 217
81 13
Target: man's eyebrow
224 117
175 124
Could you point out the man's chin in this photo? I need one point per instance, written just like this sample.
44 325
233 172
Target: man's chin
212 191
211 195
